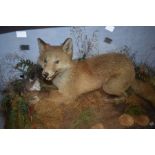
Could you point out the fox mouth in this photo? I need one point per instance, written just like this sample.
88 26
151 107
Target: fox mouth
50 78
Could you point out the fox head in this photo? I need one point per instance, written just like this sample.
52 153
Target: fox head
55 59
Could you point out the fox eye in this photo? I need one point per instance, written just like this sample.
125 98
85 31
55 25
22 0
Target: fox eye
56 62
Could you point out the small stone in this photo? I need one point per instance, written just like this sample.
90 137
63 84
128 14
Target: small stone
142 120
126 120
151 123
98 126
35 99
36 86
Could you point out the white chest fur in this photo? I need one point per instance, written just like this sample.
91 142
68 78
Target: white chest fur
61 79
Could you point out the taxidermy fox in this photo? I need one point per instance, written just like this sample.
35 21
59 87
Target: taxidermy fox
114 72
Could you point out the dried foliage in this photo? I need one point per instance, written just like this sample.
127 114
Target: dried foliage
86 44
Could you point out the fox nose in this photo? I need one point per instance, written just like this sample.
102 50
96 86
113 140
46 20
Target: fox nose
45 74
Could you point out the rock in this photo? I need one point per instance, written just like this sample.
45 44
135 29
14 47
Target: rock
151 124
126 120
98 126
32 85
142 120
35 86
35 99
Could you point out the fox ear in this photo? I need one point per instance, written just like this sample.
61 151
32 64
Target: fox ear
68 46
42 45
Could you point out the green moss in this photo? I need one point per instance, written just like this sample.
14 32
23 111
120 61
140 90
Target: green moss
134 110
84 119
6 103
17 112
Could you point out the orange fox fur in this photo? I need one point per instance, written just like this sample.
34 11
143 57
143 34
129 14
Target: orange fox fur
114 72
